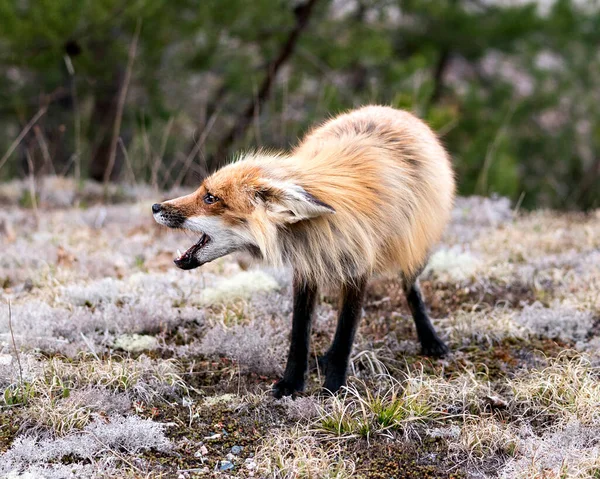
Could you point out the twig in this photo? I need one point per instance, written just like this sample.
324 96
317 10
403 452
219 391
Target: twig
77 118
24 132
146 144
32 193
284 105
159 157
89 344
327 76
116 453
519 202
12 335
303 13
194 168
438 77
256 118
44 148
121 104
65 169
127 161
196 149
481 185
444 130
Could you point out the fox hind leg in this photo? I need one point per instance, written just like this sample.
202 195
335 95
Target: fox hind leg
431 344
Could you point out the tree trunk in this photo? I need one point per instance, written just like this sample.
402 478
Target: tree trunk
102 121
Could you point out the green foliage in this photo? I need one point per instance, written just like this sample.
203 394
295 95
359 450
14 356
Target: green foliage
512 89
17 394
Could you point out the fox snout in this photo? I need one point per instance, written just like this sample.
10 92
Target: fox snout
167 215
216 236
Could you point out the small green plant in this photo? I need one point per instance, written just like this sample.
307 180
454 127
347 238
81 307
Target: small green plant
339 425
388 413
27 200
139 261
361 412
18 394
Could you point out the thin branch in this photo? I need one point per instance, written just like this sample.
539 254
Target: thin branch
32 192
39 136
116 453
303 13
588 180
481 185
256 119
147 158
438 76
439 71
65 168
24 132
76 117
199 144
161 154
121 104
89 344
127 162
206 112
14 344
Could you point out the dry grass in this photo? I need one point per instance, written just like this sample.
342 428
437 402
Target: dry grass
508 292
297 454
572 451
401 402
63 414
565 391
64 395
487 326
486 441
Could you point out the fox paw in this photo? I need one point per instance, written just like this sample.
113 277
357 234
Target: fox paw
333 383
435 348
286 387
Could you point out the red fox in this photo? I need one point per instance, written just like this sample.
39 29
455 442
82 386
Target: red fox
367 192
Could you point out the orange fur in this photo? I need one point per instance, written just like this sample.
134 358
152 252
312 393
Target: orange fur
382 170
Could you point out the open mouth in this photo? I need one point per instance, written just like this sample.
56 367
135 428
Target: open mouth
188 259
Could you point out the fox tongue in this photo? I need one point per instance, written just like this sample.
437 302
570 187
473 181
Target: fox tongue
188 259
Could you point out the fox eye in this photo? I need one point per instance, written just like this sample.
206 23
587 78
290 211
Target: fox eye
210 199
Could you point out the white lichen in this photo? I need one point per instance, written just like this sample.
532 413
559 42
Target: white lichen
452 264
130 433
557 321
241 286
135 343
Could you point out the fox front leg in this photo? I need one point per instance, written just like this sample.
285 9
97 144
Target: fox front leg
294 377
337 357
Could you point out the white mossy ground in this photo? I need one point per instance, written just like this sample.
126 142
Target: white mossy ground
128 367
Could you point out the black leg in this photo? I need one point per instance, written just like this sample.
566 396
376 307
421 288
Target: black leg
335 361
305 297
431 344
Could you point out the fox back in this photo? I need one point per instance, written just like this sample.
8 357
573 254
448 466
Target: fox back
369 191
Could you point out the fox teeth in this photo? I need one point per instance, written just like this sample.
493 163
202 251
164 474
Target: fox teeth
179 255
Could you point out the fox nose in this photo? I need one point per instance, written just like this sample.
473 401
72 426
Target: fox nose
156 208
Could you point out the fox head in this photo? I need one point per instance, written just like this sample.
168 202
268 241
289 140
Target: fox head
243 206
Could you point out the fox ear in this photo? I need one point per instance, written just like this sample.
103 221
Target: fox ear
290 203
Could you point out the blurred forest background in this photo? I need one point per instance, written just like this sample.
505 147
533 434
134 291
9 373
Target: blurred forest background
164 91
